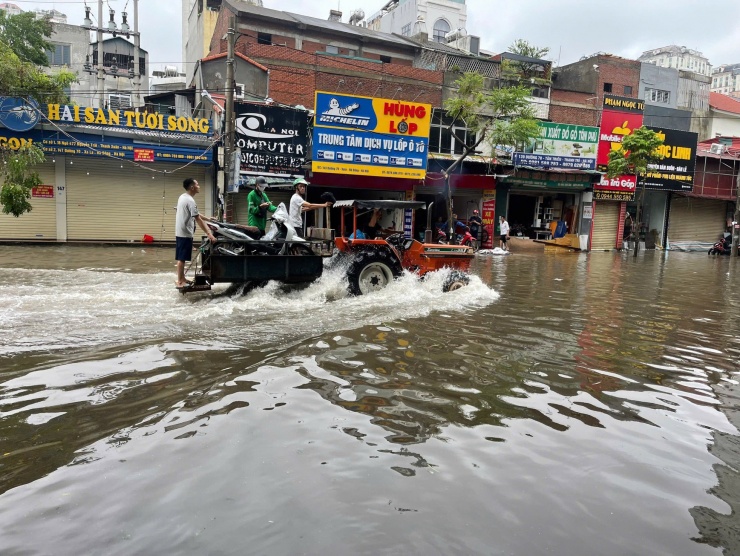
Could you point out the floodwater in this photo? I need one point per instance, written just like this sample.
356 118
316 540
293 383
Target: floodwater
560 404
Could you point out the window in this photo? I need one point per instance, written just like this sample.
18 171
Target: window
406 30
331 49
627 89
440 137
264 38
441 28
540 92
607 87
59 55
385 59
658 96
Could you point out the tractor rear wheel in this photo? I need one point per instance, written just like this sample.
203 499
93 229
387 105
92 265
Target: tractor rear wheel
371 271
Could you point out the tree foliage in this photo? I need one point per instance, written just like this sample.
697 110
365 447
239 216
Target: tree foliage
527 70
19 177
24 79
26 36
502 116
496 116
639 149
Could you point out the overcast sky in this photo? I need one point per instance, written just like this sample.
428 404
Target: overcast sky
570 28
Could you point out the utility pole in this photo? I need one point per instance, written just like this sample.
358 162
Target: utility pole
101 70
736 218
137 39
229 110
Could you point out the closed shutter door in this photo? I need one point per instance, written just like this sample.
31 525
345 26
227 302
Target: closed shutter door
110 200
41 222
606 225
693 219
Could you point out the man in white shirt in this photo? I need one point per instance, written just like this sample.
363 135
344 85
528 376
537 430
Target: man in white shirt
504 233
185 219
298 205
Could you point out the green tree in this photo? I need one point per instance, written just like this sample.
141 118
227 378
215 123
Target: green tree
18 176
497 116
23 79
26 36
521 70
639 149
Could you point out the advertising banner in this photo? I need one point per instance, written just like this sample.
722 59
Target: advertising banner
370 136
675 172
82 144
614 127
43 191
273 140
561 146
488 217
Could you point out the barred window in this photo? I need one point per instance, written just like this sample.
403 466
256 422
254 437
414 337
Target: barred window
658 95
59 55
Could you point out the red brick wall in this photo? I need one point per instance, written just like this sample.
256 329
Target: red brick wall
296 74
563 111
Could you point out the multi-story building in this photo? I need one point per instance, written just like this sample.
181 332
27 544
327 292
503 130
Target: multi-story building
10 9
439 19
678 57
726 80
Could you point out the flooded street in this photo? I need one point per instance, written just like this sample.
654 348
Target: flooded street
559 404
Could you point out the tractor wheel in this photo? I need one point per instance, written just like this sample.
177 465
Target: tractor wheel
371 271
455 281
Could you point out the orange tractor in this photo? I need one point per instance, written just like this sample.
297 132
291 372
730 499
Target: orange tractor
373 263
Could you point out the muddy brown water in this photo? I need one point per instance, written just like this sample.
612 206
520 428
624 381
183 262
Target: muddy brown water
559 404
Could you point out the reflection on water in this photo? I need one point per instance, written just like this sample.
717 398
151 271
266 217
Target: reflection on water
560 404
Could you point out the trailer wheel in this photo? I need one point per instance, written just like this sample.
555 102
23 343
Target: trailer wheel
300 249
455 281
371 272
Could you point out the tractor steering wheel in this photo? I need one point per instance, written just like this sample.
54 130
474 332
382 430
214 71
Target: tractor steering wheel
396 240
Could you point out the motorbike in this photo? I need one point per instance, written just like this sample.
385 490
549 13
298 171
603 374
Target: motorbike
723 246
281 239
464 238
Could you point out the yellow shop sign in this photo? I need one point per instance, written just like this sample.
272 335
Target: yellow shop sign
126 118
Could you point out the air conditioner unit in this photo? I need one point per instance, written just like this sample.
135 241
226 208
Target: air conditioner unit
716 148
239 91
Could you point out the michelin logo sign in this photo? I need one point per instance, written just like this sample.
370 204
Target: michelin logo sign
370 136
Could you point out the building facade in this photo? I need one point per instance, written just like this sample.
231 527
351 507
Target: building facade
678 57
726 80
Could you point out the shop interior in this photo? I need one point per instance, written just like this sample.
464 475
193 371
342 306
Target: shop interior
542 215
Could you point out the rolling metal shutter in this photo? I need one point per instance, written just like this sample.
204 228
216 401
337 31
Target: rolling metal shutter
111 200
606 225
41 222
693 219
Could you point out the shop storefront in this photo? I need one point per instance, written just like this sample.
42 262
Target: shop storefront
103 182
535 202
695 220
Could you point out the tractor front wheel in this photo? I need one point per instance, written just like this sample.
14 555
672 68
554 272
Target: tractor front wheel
455 281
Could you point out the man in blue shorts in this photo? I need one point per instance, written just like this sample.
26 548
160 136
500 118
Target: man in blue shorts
185 219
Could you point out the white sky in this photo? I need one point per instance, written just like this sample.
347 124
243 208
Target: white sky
570 28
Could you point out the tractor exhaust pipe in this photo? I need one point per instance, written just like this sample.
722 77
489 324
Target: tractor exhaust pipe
428 231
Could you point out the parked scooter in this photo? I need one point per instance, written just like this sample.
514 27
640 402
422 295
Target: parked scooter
723 246
465 238
235 239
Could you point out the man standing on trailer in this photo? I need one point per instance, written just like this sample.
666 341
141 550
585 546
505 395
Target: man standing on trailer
298 205
185 218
